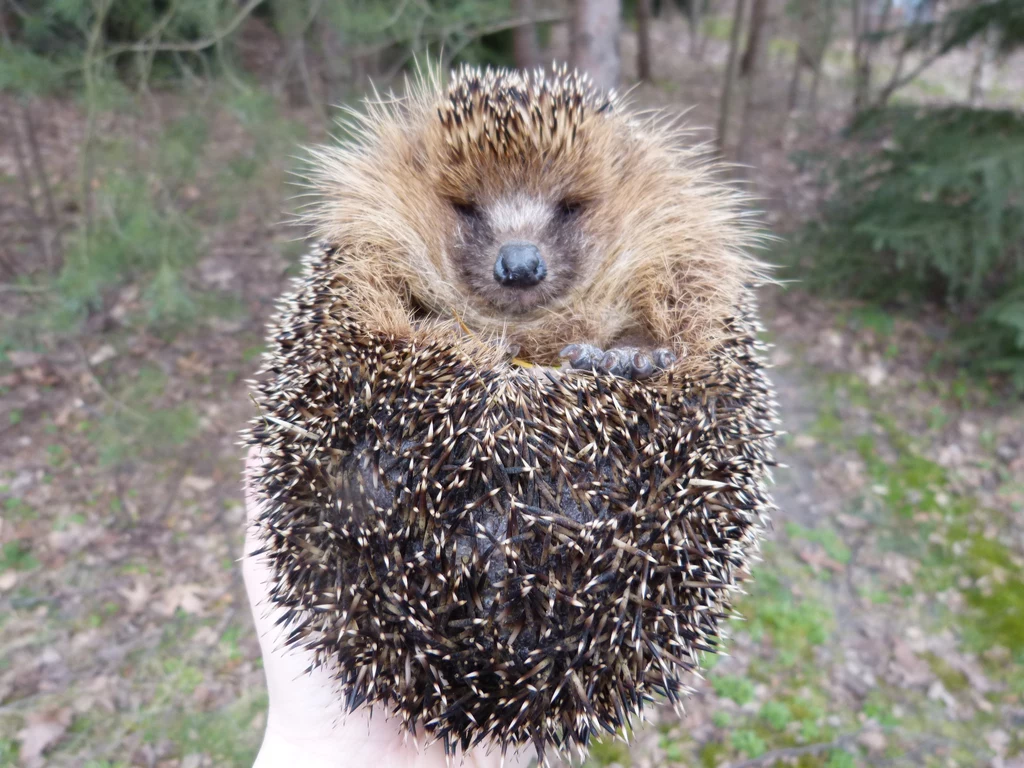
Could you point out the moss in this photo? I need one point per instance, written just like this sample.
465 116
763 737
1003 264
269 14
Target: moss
749 743
839 758
713 754
607 751
794 625
953 679
999 618
776 715
996 599
226 735
827 537
674 752
733 687
17 556
878 706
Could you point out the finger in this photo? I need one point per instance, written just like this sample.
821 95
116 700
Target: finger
300 701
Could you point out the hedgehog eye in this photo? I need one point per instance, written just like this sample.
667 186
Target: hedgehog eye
569 209
467 211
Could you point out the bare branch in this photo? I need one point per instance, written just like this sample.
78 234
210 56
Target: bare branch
773 756
25 179
193 46
897 82
56 250
471 32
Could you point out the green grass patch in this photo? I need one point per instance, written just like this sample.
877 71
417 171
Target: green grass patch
776 715
607 751
733 687
136 428
17 556
793 625
748 743
827 538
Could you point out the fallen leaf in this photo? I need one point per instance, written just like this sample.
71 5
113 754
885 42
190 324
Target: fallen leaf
937 692
804 442
183 596
101 355
137 597
908 668
817 559
998 741
873 740
21 358
198 484
42 730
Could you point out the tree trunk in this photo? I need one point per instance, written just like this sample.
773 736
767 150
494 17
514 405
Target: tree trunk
594 44
752 52
693 20
861 65
721 134
794 80
750 67
643 39
976 88
867 37
525 47
812 99
334 70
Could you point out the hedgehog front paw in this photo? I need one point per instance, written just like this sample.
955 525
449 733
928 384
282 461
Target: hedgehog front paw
627 362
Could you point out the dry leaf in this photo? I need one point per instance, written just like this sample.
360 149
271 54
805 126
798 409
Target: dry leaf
101 355
137 597
196 483
42 730
183 596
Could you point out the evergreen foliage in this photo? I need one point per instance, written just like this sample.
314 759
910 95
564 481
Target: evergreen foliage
1004 19
933 211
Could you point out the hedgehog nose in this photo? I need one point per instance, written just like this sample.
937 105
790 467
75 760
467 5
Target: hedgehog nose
519 265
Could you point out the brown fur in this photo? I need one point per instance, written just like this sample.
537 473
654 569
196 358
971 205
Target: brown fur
660 244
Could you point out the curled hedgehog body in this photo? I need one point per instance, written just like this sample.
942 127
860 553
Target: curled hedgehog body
499 549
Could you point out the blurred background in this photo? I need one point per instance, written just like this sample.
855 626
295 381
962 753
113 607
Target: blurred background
145 156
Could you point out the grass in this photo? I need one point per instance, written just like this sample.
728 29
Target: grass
136 426
17 556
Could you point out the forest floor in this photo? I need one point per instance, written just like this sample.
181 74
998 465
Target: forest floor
885 625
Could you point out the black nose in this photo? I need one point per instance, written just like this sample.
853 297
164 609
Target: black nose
519 265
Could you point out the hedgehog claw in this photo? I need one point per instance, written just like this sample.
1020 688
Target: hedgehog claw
582 356
663 358
617 362
625 362
643 368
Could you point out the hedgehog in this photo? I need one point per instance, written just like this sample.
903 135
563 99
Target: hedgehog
515 426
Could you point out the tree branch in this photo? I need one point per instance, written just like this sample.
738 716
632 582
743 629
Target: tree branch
193 46
56 247
897 82
771 757
502 26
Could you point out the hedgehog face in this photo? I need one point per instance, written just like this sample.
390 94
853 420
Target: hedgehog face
516 252
531 208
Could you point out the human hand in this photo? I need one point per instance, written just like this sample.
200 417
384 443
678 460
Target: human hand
306 724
